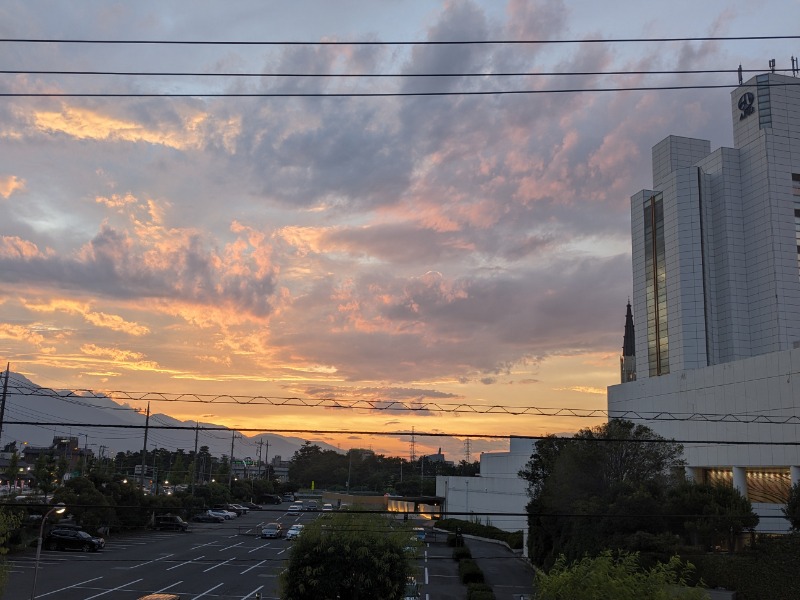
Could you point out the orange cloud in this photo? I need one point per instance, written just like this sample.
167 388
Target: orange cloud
19 333
16 247
191 132
99 319
10 184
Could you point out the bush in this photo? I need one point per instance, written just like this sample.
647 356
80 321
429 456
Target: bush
513 539
469 571
461 552
479 591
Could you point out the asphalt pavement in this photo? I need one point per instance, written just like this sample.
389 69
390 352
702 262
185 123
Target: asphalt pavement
509 574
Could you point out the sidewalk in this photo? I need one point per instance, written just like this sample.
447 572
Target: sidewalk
510 575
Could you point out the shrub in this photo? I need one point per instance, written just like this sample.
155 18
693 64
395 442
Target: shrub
461 552
479 591
469 571
513 539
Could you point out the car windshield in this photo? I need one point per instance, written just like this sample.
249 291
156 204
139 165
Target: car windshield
271 526
83 535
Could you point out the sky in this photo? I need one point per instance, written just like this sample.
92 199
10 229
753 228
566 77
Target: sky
445 252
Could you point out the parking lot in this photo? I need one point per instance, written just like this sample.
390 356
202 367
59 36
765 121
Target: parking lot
211 560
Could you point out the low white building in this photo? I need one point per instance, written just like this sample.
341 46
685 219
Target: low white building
498 496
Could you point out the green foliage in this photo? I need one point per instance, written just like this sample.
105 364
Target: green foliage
610 481
616 576
513 539
358 556
461 553
479 591
767 571
710 515
792 509
9 521
469 571
88 505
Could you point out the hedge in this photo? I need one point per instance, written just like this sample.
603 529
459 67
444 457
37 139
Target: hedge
513 539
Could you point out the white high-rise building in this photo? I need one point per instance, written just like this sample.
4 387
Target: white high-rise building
716 298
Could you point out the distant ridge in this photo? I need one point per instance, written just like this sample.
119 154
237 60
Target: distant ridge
73 411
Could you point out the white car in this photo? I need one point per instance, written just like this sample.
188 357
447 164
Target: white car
327 507
294 531
225 514
295 509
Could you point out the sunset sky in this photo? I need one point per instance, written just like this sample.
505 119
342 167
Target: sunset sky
456 250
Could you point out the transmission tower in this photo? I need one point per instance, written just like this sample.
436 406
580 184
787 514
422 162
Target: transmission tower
413 449
467 453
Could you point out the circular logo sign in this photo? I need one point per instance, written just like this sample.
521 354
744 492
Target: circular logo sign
746 101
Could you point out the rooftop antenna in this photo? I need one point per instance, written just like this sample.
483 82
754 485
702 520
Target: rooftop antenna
795 66
741 81
772 65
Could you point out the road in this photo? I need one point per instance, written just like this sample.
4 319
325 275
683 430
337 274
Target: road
224 561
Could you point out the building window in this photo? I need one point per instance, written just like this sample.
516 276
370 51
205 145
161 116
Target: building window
796 194
768 485
764 102
656 287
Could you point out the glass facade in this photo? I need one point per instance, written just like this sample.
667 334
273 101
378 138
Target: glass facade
796 194
656 288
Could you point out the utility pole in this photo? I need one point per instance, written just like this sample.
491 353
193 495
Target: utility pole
230 470
3 403
144 448
194 462
266 459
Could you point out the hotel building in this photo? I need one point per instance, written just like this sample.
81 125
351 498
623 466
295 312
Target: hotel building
716 299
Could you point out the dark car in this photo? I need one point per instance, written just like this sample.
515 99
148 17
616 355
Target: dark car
207 518
251 505
271 499
170 522
72 539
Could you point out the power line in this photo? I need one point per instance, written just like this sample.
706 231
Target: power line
425 434
376 75
398 43
380 405
641 88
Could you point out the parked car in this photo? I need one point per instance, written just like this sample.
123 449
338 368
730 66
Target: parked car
238 509
225 514
412 590
170 522
312 506
288 497
327 507
252 505
295 509
272 530
72 539
271 499
294 531
207 517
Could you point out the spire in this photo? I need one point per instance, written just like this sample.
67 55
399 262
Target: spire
628 343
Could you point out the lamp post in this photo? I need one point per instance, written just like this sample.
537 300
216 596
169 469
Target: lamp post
58 509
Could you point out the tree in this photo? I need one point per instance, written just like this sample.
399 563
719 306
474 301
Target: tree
8 522
358 556
45 472
599 489
88 505
619 577
710 515
792 509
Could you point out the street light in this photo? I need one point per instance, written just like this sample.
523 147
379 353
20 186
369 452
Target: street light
58 509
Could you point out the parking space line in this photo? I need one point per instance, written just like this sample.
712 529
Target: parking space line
217 565
259 588
259 548
231 546
164 589
119 587
74 585
185 563
151 561
253 567
207 591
